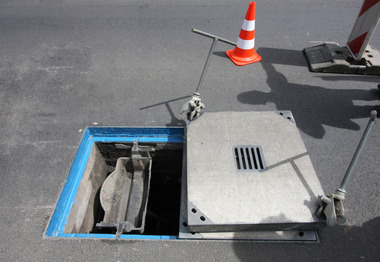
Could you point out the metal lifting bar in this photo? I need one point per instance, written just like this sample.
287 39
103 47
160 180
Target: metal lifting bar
215 40
332 205
193 107
347 176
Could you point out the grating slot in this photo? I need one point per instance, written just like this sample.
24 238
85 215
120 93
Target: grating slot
243 158
259 158
254 157
249 158
237 161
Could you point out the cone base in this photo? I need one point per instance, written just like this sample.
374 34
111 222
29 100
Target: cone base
241 61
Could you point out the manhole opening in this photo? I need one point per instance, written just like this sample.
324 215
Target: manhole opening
162 217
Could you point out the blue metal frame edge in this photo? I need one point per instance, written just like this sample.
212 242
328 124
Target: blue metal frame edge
68 193
112 236
104 134
151 134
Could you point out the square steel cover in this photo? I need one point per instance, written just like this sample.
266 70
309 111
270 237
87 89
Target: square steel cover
284 196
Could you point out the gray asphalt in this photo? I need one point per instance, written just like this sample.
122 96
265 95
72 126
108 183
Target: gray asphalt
65 65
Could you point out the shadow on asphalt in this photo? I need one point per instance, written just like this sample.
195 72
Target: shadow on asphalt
174 120
221 54
362 78
312 106
339 243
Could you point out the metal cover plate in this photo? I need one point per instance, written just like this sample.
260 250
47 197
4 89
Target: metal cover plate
221 199
304 236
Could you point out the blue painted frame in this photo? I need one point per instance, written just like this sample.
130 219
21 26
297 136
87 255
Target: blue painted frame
104 134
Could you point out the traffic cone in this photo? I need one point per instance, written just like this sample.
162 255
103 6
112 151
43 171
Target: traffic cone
244 53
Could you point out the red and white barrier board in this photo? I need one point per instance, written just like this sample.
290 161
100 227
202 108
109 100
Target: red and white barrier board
364 26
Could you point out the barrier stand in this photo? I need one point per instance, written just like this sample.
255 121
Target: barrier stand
356 57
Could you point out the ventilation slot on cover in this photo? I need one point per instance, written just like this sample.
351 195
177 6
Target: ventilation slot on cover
249 158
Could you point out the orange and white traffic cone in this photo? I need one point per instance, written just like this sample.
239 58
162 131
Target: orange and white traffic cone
244 53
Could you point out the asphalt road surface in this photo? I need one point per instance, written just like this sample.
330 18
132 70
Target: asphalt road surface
65 65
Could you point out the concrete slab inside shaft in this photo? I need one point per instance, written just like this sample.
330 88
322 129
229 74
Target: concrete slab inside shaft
222 199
